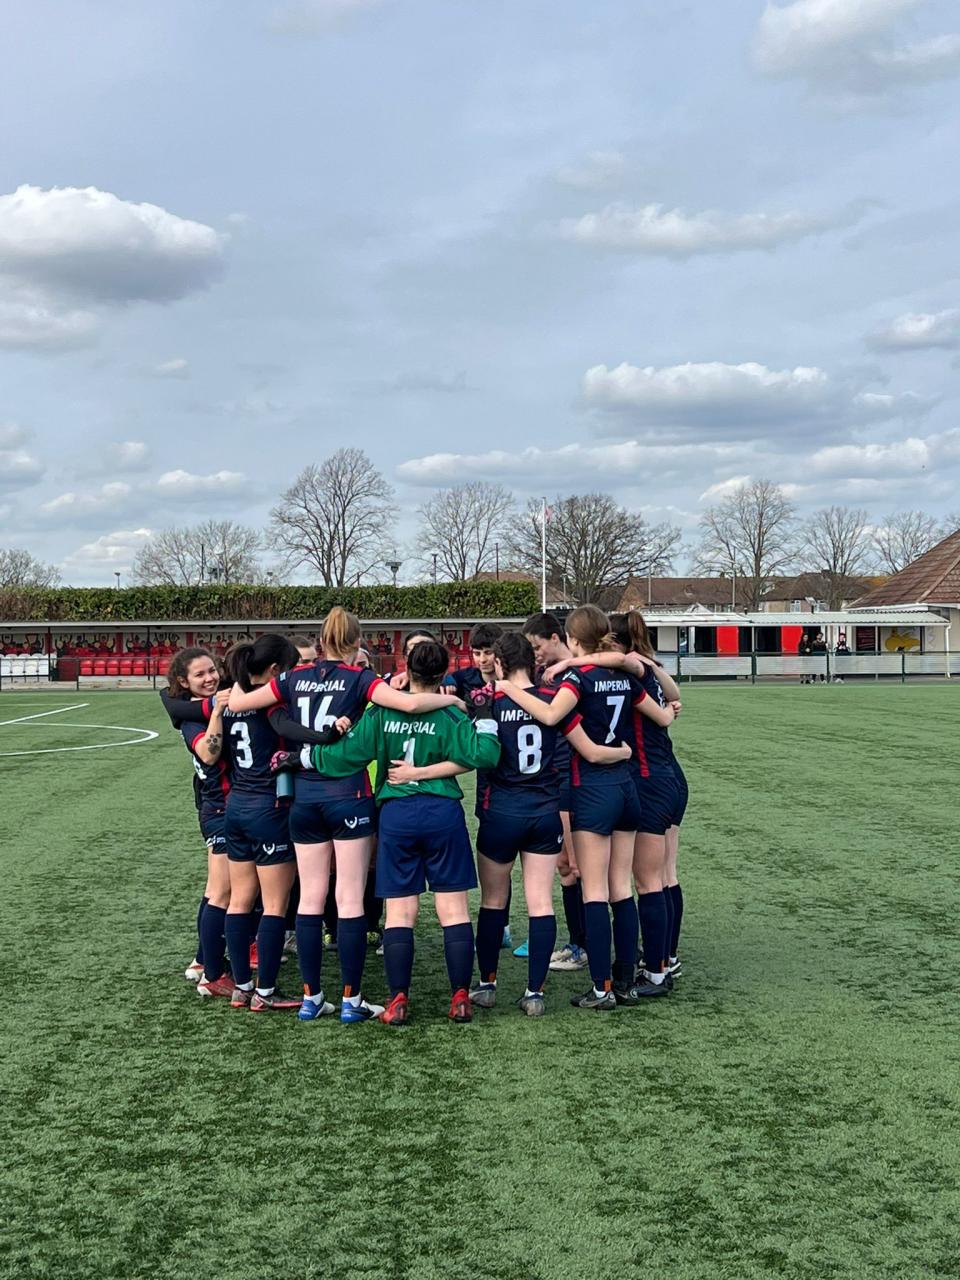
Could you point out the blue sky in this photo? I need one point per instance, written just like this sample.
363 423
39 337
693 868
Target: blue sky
632 245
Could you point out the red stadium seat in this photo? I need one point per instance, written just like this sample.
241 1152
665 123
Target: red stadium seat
86 667
139 666
126 666
162 666
100 667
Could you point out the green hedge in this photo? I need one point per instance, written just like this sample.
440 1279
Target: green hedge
218 603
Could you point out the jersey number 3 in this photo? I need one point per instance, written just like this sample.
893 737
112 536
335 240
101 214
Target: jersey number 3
240 731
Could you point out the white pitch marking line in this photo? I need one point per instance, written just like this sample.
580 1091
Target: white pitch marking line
146 736
76 706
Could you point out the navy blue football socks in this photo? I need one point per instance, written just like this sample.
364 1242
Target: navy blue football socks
352 950
310 951
653 929
596 917
626 937
237 929
270 936
573 912
490 926
668 935
398 959
676 893
541 939
458 953
213 943
200 911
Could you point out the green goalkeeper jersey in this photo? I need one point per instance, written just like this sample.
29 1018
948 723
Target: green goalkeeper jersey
383 736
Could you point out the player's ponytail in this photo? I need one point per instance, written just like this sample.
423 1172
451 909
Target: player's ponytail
341 634
590 627
178 668
246 660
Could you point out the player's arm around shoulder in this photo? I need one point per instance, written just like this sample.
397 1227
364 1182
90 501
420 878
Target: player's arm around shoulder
352 752
474 743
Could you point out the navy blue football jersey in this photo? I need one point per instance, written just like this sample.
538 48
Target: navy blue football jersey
465 681
605 700
526 778
561 755
653 750
249 742
316 695
213 780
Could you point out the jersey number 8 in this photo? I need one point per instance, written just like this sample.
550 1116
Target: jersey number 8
530 753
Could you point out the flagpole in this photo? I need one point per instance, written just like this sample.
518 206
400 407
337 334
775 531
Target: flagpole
543 555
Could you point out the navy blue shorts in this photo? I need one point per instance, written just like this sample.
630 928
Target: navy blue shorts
423 840
501 836
606 807
566 798
213 821
257 831
659 802
684 792
343 818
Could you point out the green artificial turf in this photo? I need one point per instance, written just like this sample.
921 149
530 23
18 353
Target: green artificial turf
790 1111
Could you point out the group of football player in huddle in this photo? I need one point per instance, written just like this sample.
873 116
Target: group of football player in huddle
329 801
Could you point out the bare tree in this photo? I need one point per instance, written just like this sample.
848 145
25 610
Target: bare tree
949 524
903 537
750 533
461 527
835 542
214 551
18 568
337 518
593 545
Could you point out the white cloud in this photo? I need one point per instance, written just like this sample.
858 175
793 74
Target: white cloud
120 499
922 61
108 553
129 455
599 169
91 245
849 45
67 250
652 229
11 434
183 484
918 331
317 17
29 323
743 398
910 457
176 368
723 489
18 468
570 464
114 496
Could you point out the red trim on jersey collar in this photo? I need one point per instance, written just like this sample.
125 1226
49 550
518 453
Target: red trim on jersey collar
275 690
591 666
